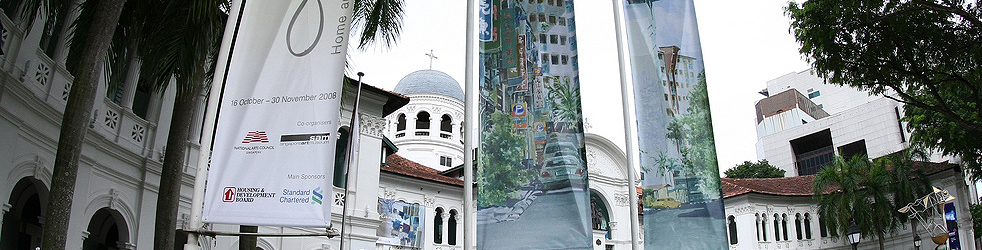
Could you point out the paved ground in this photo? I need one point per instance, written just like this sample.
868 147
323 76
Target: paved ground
545 224
683 228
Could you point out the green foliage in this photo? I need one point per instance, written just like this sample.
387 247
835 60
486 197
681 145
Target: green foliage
976 210
868 193
565 102
759 169
378 20
500 170
694 129
924 53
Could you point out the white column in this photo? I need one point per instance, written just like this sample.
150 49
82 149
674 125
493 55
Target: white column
444 231
61 51
131 80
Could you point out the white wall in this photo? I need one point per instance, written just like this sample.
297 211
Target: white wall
875 122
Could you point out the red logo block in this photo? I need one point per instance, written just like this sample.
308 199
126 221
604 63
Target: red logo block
229 194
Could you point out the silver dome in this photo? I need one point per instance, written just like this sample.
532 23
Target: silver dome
429 82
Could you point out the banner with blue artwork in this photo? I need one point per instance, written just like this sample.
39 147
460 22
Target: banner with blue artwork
531 174
402 223
681 187
951 220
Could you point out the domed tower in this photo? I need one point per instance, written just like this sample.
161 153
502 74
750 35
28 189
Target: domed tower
428 129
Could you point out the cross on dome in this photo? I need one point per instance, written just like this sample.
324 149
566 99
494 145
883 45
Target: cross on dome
431 56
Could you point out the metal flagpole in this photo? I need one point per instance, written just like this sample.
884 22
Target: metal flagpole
626 101
469 125
349 156
208 133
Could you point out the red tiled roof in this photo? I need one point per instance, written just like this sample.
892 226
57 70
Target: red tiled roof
402 166
793 186
801 185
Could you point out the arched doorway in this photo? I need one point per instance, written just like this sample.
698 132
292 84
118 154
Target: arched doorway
600 215
107 231
23 223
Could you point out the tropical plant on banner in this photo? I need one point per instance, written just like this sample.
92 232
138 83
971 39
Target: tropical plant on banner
565 102
501 171
694 132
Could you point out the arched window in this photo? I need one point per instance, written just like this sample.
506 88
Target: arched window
401 123
452 228
777 227
423 120
731 224
808 226
822 230
757 225
797 225
438 226
445 124
340 149
763 227
784 226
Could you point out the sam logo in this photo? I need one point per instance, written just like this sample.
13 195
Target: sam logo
255 136
228 195
305 139
317 196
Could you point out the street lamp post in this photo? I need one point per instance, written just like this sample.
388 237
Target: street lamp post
854 235
917 241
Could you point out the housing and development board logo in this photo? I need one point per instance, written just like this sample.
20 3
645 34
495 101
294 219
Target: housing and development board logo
228 195
246 194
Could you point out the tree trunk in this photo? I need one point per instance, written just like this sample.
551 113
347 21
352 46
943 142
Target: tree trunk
879 237
75 123
172 171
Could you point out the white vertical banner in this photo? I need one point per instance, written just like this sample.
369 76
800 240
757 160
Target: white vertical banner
273 154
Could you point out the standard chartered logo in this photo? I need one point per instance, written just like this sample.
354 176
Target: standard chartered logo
302 196
316 198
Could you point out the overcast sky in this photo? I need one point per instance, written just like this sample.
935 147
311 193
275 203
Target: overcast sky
744 44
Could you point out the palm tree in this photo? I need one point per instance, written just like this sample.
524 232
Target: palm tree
379 20
88 55
178 43
865 192
181 55
183 44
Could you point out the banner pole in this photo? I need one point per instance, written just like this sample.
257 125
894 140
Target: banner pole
349 155
208 128
625 79
469 125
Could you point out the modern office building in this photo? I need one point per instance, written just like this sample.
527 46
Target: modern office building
802 123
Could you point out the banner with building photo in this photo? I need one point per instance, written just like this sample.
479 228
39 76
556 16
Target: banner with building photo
681 186
273 152
532 176
402 223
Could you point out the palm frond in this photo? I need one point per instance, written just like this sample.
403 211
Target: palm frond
379 21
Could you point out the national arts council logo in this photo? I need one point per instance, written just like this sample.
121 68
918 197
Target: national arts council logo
254 142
